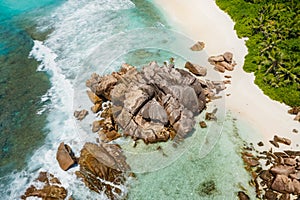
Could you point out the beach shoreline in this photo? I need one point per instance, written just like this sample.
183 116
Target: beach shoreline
205 21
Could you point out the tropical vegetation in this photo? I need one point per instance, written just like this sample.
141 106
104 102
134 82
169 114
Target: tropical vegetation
273 29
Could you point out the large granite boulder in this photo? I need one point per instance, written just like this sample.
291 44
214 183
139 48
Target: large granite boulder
65 156
101 85
159 96
103 168
46 187
146 104
283 184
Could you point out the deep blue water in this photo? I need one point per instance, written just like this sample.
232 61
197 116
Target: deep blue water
21 87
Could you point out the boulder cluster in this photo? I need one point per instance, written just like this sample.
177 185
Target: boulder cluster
46 186
222 62
153 104
275 174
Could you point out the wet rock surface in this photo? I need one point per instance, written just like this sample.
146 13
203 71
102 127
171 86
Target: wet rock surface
275 175
81 114
65 156
103 168
46 187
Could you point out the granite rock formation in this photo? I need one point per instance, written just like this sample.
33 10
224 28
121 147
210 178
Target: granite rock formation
103 168
276 175
153 104
46 186
222 62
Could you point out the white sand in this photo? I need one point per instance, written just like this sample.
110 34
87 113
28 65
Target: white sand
202 20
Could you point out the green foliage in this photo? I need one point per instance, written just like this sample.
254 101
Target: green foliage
273 30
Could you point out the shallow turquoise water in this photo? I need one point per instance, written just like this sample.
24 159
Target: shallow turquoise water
219 175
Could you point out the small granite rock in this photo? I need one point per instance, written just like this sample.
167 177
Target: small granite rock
295 130
214 59
228 57
270 195
198 46
274 143
222 62
196 69
282 140
202 124
294 110
243 196
250 161
260 144
80 115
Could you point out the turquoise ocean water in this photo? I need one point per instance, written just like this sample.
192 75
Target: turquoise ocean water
43 48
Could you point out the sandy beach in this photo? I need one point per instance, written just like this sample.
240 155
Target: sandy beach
202 20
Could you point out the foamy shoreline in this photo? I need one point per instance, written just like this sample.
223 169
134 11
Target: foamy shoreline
203 20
